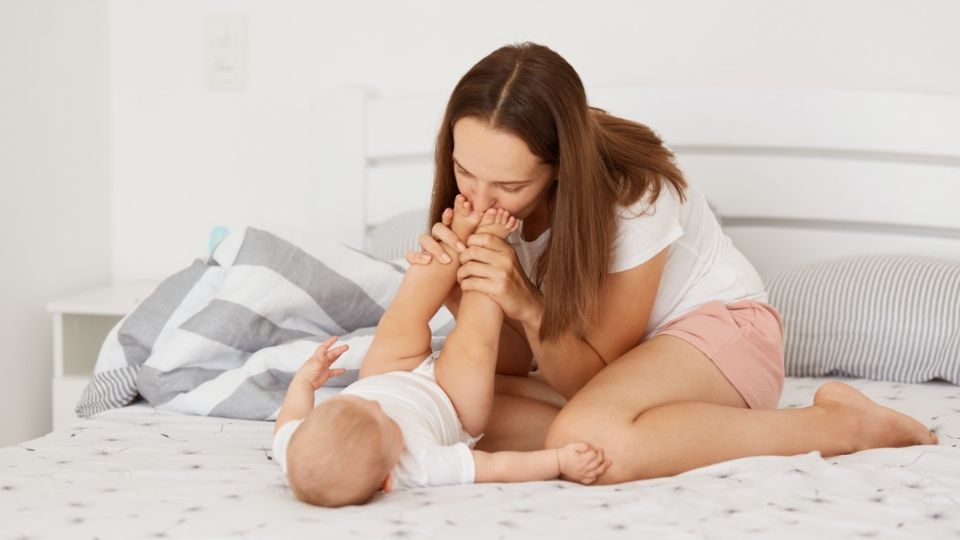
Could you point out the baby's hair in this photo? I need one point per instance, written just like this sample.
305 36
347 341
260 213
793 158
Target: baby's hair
336 456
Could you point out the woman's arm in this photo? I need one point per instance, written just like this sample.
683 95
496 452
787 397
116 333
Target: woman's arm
625 304
568 362
515 354
576 461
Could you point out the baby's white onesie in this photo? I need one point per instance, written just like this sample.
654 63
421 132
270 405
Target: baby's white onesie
436 447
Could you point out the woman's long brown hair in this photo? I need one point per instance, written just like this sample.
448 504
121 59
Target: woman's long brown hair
602 162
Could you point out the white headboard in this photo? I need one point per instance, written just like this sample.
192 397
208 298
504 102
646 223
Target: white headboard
796 175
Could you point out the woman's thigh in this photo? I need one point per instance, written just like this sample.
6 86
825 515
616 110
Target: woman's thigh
532 386
517 423
523 409
664 369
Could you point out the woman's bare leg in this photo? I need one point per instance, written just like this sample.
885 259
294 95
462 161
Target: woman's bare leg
523 409
517 423
664 408
532 386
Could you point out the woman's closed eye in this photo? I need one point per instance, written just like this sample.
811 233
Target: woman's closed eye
511 187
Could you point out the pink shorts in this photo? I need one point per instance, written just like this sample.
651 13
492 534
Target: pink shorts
744 339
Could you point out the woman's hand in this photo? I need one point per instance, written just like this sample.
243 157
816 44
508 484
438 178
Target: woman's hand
430 244
490 265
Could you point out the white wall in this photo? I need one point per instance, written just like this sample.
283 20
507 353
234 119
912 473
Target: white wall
187 158
54 189
110 134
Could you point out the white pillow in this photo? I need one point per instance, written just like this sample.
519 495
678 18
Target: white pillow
390 240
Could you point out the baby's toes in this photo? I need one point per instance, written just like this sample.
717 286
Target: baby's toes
489 217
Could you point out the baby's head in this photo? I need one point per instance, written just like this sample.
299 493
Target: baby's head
343 452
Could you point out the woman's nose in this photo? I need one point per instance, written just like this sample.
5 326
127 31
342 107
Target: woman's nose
482 199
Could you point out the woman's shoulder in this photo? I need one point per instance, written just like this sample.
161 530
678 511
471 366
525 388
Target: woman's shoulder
652 207
646 227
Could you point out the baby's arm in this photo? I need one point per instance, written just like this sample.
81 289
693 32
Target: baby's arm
576 461
297 403
312 374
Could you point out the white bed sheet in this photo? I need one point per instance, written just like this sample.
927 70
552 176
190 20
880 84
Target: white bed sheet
139 473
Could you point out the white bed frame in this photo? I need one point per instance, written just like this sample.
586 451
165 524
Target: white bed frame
796 175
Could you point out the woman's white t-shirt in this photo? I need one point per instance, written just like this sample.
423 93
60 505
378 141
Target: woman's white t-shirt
702 265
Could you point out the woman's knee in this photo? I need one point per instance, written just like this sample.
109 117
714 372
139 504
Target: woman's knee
608 433
578 425
629 461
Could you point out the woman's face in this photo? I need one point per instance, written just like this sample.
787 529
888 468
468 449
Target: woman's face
496 169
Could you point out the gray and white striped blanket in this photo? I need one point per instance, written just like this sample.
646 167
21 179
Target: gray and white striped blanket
224 337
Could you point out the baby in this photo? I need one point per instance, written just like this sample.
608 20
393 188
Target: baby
414 415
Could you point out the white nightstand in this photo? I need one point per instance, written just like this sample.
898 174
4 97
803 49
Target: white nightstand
80 324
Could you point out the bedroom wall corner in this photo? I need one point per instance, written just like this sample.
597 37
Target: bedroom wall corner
54 187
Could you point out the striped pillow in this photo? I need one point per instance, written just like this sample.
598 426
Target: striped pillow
883 317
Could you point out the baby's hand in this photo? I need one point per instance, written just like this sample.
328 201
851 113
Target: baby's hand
316 370
581 462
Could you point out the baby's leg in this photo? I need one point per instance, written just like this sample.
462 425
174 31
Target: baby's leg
404 332
467 365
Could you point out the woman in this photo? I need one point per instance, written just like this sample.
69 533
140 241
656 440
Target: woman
642 317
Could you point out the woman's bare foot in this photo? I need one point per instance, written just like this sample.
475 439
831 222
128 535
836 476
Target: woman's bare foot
866 423
498 222
465 218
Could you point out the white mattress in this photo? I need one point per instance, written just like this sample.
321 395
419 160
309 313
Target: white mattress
136 473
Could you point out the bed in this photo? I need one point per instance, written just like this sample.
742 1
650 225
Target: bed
789 172
137 472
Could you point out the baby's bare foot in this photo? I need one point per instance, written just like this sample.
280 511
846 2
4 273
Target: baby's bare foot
866 424
465 218
498 222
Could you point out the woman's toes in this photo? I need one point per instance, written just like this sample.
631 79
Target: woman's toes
872 424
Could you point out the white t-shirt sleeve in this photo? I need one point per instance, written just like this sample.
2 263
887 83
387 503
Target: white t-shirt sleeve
280 442
447 465
645 229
